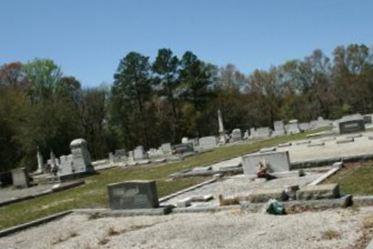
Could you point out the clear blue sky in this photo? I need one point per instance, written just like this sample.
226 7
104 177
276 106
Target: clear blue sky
88 38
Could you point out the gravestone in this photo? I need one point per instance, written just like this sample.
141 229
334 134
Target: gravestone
246 135
20 178
261 132
351 126
80 156
133 195
292 127
209 142
279 128
276 162
183 148
166 148
236 135
222 136
139 153
304 126
184 140
66 166
120 155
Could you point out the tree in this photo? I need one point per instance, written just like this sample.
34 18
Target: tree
166 67
132 88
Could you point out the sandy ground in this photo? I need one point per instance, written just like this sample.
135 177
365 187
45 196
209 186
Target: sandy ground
333 229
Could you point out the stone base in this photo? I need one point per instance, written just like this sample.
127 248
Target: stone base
316 192
265 195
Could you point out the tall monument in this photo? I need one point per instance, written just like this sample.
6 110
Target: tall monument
222 138
40 162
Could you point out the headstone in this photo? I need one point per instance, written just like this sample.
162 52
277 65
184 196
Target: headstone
292 127
131 156
184 140
139 153
246 135
133 195
80 156
120 155
351 126
279 128
209 142
276 162
183 148
111 158
236 135
166 148
261 132
304 126
66 166
53 162
20 178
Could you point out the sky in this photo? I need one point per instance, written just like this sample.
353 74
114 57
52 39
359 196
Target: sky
87 38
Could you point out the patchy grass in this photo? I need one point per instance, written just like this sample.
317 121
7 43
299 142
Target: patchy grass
94 193
355 178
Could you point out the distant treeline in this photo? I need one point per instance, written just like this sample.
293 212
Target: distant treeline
152 102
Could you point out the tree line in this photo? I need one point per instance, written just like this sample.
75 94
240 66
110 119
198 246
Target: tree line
155 101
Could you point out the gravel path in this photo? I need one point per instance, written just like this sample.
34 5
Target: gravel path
333 229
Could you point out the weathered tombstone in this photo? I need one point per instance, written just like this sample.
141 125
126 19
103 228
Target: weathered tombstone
120 155
304 126
139 153
236 135
279 128
183 148
80 156
111 158
208 142
292 127
276 162
131 156
66 166
166 148
261 132
246 135
20 178
184 140
133 195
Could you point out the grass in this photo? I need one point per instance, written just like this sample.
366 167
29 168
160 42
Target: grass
93 194
356 179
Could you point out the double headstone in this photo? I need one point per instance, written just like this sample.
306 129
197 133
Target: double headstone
351 124
133 195
209 142
276 161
